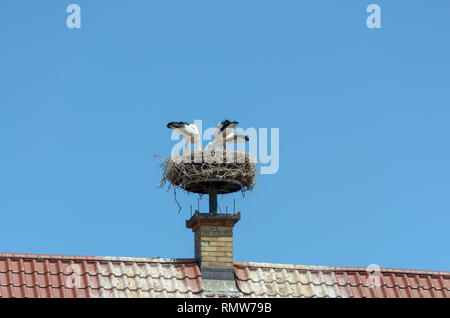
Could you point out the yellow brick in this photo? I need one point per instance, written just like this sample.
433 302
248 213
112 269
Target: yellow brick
225 239
209 249
208 238
222 264
224 249
224 259
215 243
217 254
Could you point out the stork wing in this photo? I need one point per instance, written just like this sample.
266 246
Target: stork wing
233 124
224 128
186 130
189 132
177 124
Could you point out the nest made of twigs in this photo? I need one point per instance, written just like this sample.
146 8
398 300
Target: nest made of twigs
228 170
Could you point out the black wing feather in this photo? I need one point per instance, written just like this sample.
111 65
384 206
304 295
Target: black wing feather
226 123
177 124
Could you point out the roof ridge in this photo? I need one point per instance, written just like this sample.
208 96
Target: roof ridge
338 268
99 258
236 263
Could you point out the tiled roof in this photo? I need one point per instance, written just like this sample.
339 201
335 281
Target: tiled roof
275 280
27 275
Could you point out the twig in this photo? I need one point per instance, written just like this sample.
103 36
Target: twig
175 195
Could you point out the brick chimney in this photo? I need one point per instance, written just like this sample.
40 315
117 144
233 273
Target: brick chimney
213 237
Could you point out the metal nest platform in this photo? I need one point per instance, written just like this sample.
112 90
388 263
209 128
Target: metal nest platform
204 186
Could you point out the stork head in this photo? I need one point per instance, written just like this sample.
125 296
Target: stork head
235 138
241 138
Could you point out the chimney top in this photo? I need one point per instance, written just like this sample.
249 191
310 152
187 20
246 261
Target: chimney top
214 243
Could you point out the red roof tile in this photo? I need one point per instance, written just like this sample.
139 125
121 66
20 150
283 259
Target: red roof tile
27 275
275 280
23 275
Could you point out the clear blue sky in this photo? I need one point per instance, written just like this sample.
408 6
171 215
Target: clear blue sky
363 116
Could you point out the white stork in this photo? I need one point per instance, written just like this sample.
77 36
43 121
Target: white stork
188 131
225 134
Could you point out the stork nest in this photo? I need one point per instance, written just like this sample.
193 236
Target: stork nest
205 166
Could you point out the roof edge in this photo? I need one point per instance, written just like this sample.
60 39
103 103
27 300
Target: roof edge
338 268
100 258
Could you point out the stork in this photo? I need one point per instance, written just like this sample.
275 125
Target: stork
188 131
225 134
